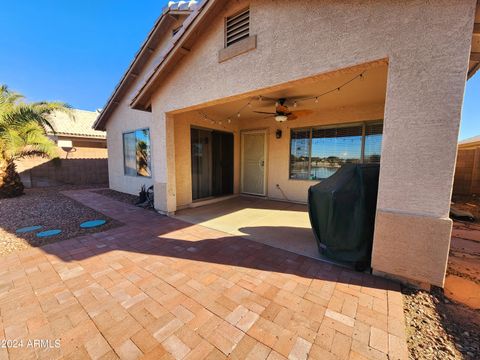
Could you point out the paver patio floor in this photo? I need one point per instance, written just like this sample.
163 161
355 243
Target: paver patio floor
160 288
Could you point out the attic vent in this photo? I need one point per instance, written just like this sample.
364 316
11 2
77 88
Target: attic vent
237 27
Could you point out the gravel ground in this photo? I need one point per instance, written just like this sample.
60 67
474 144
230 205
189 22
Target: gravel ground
126 198
49 208
438 328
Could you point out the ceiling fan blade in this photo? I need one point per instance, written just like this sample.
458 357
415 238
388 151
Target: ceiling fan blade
291 116
301 112
263 112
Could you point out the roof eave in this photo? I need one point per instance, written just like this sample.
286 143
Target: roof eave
145 49
178 50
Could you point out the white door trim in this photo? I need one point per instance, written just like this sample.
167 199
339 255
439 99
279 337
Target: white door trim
265 156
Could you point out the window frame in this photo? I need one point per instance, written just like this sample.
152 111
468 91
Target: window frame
225 42
123 150
363 124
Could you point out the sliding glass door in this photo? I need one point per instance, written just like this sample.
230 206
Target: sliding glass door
212 163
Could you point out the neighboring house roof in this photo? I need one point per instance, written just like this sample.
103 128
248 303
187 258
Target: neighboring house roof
78 124
144 54
473 141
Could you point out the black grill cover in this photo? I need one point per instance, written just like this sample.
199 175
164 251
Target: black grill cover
342 212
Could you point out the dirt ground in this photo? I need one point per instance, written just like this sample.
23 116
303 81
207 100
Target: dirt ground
49 208
462 282
438 328
446 324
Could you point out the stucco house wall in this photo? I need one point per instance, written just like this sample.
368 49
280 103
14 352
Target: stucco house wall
125 119
427 46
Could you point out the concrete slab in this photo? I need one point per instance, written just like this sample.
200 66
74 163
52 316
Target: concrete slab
279 224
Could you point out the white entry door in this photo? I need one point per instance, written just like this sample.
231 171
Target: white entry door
253 162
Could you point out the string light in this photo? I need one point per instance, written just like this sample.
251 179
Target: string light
261 98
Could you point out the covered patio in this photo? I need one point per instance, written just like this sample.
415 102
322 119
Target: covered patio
258 154
279 141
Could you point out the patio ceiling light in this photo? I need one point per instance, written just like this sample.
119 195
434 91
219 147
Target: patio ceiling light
281 118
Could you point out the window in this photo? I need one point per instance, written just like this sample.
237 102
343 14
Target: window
136 153
237 27
373 143
317 153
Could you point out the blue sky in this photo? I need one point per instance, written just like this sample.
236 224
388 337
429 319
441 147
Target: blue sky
76 51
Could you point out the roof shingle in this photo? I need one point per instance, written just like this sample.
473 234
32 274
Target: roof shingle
80 124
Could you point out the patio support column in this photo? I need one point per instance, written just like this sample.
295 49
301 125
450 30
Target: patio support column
422 116
163 162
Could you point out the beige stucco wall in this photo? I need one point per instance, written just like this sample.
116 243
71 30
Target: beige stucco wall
427 45
124 119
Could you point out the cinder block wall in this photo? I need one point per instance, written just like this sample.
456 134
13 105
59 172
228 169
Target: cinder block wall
85 166
467 172
66 172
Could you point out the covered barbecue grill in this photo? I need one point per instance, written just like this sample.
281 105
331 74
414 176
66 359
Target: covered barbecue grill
342 213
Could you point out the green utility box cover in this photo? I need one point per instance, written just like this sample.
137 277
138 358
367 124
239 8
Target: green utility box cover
342 213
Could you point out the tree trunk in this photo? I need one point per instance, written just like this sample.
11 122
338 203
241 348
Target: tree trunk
10 183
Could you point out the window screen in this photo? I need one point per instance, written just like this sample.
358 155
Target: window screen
237 27
136 153
317 153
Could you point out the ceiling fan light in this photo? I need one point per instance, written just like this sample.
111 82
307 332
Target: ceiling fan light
281 118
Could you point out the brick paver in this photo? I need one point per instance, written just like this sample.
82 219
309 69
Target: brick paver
159 288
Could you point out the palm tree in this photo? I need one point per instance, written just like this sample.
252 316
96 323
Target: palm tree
23 133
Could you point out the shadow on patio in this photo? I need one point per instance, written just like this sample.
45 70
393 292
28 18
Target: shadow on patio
164 280
279 224
150 235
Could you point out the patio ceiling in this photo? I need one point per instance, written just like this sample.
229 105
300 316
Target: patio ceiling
369 89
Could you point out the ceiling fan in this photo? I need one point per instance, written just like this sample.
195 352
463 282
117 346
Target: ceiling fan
282 113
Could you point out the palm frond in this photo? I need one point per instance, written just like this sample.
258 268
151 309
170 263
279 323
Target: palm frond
24 126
